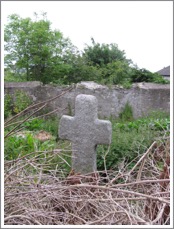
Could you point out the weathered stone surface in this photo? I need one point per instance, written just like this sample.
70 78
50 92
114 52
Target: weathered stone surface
143 97
90 85
85 131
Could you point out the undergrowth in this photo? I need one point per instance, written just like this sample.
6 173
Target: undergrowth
131 187
129 139
132 138
37 194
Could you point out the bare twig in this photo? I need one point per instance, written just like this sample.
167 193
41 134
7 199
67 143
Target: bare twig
143 157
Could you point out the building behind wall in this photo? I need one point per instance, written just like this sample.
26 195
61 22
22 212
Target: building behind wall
165 72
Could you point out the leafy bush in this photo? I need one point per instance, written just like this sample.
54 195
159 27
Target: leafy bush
18 145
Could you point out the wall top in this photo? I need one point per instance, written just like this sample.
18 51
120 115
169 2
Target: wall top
152 86
22 84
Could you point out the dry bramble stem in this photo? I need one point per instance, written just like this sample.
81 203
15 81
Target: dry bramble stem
140 160
94 187
140 182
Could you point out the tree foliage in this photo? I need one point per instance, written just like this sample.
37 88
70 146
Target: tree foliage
144 75
36 51
103 54
112 62
33 51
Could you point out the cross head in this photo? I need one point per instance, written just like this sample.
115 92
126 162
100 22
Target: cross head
85 131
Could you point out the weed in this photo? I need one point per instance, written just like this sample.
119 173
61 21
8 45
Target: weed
49 125
35 124
127 113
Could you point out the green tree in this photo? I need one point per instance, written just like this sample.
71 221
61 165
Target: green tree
35 50
102 54
16 36
116 72
111 64
81 71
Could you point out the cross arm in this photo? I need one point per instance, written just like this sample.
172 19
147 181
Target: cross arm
103 133
65 127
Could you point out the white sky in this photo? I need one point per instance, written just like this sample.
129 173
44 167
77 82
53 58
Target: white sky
143 29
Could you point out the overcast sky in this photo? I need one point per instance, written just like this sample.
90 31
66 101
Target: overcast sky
144 30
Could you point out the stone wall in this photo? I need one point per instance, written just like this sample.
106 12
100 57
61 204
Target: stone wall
143 97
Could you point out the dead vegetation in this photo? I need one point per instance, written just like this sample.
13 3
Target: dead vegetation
37 195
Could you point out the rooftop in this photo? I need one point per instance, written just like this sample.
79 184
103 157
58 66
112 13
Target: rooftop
165 71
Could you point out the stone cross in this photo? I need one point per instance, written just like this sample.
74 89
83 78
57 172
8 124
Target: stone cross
85 131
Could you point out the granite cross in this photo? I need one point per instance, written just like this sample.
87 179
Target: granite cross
85 131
